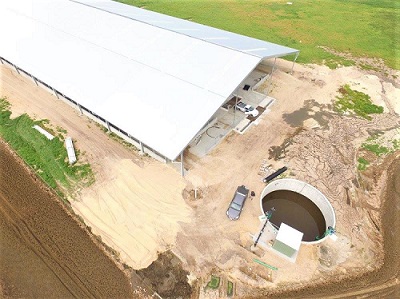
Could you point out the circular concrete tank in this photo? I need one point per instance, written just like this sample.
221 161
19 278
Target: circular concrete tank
300 206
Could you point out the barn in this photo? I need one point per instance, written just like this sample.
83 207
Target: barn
153 79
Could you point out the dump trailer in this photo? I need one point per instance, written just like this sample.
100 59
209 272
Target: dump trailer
275 174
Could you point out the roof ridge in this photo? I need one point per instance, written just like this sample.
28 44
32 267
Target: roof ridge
207 40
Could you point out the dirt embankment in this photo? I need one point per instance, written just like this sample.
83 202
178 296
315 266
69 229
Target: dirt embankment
166 276
44 250
383 282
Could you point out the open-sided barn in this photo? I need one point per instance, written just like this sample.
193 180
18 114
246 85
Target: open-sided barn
155 79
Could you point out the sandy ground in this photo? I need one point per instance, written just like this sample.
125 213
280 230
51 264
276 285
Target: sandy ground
138 211
135 204
137 207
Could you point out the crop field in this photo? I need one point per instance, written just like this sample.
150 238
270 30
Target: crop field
363 28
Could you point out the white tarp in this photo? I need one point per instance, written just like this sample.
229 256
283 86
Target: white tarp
159 86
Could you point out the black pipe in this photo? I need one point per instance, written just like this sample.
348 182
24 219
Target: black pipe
261 232
275 174
268 214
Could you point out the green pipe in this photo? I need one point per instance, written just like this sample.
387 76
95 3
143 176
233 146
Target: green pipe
265 264
329 231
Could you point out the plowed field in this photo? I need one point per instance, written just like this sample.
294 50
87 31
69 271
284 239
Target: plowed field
44 251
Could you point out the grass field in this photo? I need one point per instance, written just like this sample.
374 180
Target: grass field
47 157
364 28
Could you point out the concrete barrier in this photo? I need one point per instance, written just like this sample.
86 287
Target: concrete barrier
44 132
70 150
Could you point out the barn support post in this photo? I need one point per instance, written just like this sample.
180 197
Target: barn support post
294 61
108 126
79 109
16 69
270 77
141 148
234 111
55 93
34 80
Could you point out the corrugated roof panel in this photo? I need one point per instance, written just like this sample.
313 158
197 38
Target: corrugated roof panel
140 42
206 33
159 86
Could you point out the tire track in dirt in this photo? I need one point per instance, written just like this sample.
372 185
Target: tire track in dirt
45 251
26 236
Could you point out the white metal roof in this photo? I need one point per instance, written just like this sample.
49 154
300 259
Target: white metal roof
130 66
289 236
216 36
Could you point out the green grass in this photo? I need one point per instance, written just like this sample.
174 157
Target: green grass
377 149
229 290
362 164
355 102
373 145
214 282
364 28
396 144
47 157
335 62
117 138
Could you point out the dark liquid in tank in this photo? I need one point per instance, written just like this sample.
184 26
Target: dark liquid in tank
296 211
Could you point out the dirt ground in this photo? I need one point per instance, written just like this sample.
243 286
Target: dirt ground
141 207
383 282
319 147
135 204
45 252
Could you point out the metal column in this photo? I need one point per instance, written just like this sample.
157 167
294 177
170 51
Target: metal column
16 69
80 109
34 80
108 126
297 55
270 77
234 110
55 93
141 147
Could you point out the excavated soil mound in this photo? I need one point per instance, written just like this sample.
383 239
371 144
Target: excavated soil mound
166 277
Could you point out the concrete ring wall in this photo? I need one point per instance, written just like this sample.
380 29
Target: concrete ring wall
308 191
